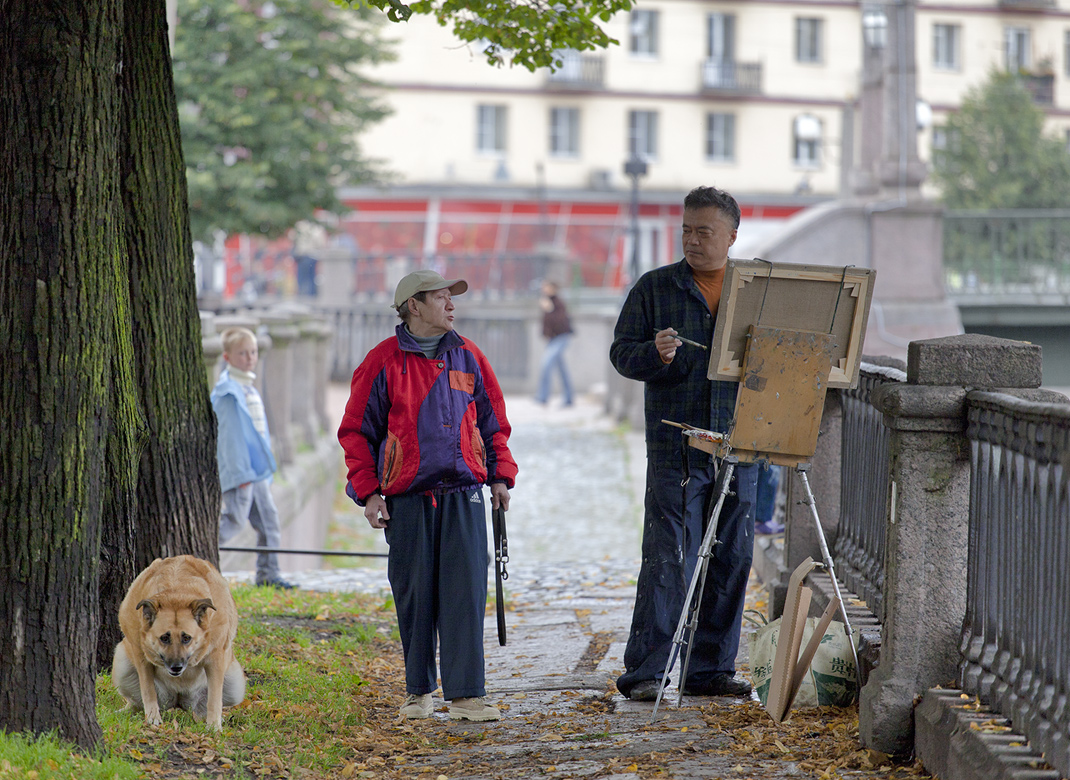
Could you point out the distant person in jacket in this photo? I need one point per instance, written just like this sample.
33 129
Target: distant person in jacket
557 330
243 454
424 430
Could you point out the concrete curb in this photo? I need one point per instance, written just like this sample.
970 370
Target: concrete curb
956 743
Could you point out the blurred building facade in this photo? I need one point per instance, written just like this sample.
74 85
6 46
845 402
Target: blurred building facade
755 97
764 98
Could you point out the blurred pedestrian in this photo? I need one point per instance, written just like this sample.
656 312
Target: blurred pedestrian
682 299
423 431
244 456
557 330
765 522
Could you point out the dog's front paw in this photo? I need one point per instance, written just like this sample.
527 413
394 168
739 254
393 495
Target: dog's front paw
216 725
152 716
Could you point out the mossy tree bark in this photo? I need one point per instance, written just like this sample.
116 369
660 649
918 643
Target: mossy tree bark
177 499
107 446
61 298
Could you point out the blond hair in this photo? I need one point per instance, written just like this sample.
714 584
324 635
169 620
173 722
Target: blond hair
235 337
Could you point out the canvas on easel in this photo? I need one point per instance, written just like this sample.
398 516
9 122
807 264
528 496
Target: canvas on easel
813 298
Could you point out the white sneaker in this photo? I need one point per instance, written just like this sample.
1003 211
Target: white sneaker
417 706
473 709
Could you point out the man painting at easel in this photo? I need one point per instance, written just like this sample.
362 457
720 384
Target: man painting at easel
667 312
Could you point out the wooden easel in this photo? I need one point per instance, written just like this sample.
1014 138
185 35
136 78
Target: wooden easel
781 398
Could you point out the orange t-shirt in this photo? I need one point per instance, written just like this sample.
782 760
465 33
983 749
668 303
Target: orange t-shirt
709 284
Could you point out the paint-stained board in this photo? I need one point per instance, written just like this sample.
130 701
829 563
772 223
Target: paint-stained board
781 395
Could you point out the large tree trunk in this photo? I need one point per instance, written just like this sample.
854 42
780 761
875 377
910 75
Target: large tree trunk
178 494
61 296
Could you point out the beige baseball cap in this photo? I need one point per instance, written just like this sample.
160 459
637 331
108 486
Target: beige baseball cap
425 280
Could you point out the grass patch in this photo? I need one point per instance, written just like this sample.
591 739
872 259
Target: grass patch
49 758
308 657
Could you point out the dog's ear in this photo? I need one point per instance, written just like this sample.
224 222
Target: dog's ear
200 608
148 612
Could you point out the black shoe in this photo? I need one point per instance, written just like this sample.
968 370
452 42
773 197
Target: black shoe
647 690
720 685
278 583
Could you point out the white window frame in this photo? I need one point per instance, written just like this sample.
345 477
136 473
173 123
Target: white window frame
807 132
564 131
946 38
809 40
491 125
720 137
1017 48
643 32
643 134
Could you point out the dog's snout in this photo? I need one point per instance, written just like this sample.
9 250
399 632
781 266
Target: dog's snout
176 669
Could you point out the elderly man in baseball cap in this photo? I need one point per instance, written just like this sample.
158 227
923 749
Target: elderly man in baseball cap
417 400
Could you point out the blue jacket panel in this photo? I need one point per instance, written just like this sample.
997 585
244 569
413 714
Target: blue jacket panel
242 453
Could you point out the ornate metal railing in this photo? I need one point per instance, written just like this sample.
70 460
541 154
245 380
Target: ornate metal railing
860 539
1019 252
1016 633
729 76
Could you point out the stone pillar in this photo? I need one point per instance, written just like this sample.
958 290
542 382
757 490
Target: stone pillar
321 332
277 374
870 102
211 346
926 548
900 170
335 276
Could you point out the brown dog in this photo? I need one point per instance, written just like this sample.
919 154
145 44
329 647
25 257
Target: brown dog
179 621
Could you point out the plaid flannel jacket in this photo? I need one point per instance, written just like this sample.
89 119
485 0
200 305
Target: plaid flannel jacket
680 391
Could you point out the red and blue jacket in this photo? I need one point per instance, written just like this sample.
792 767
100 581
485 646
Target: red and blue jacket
420 425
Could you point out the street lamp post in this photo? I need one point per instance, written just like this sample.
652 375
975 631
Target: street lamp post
635 167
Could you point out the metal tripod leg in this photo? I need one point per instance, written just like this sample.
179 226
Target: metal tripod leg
801 469
690 609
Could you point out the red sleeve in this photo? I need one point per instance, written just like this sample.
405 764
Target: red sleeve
364 422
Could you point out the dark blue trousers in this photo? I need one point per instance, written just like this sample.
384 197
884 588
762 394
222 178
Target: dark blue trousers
672 532
437 569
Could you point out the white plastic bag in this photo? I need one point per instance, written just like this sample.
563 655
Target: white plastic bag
831 678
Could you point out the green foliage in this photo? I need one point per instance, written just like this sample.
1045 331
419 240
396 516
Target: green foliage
997 155
271 102
529 33
46 757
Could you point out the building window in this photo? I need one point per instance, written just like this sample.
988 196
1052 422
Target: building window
806 137
644 32
946 46
490 129
808 40
1016 46
643 134
721 137
1066 52
721 37
564 132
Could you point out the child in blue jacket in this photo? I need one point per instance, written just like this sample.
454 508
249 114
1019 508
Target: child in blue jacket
243 453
